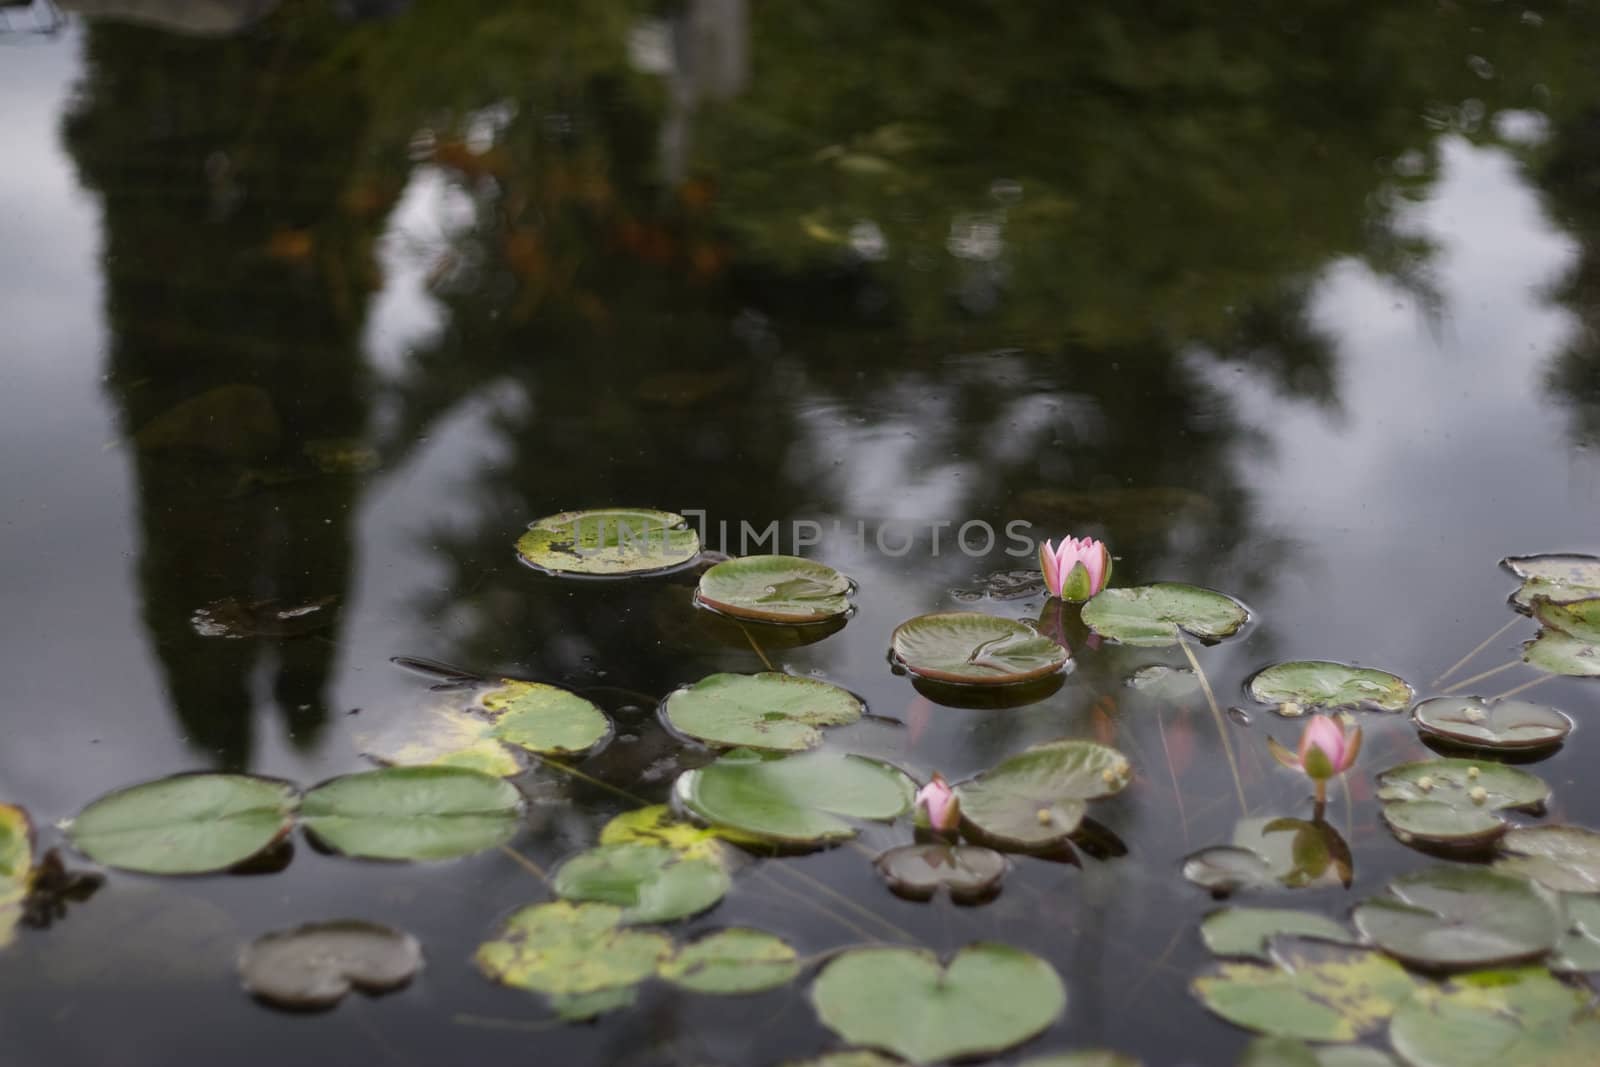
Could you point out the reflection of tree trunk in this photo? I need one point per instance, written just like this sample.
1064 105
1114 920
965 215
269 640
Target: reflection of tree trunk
231 260
710 61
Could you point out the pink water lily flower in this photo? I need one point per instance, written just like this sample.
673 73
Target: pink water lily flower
1325 751
941 805
1076 570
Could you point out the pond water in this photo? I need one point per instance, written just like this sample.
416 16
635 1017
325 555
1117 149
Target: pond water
1299 306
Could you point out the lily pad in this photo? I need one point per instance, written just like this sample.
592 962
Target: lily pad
1312 991
1165 683
1557 653
315 965
610 542
446 737
1455 917
1226 869
849 1058
572 950
1578 619
16 867
1086 1058
775 711
1497 1019
784 589
1560 577
1563 858
412 813
1456 802
1246 932
989 998
1287 1052
1154 615
794 800
1498 724
544 718
1269 853
1579 949
185 824
732 961
650 883
657 825
579 1007
966 872
1316 683
1038 797
971 648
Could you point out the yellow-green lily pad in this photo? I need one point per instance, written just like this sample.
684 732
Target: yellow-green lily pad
572 950
783 589
1306 684
609 542
772 711
1499 1019
971 648
1158 615
731 962
651 883
544 718
1038 797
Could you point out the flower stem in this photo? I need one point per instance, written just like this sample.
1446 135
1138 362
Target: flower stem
1480 676
1462 662
1222 727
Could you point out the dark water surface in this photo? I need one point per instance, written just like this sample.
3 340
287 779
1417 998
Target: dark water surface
1298 305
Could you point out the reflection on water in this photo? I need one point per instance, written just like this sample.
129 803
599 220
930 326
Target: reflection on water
320 303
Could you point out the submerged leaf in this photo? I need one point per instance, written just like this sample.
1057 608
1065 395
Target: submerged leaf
784 589
315 965
971 648
779 712
650 882
1328 685
412 813
185 824
1154 615
989 998
1038 797
613 542
572 950
732 961
1452 917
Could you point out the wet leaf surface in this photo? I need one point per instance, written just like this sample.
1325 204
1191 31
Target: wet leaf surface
315 965
1497 1019
1313 991
544 718
919 872
1039 796
412 813
773 711
804 799
1456 801
651 883
657 825
609 542
782 589
185 824
1452 917
1502 724
970 648
1310 684
1154 615
987 999
731 962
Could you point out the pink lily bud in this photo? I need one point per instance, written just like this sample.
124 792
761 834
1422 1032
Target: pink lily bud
940 803
1325 751
1076 570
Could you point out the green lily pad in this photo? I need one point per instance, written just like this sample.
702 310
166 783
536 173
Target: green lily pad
1312 991
650 883
1165 683
412 813
185 824
1454 917
849 1058
968 873
1086 1058
657 825
1557 653
16 868
971 648
1560 577
1498 1019
544 718
1456 801
732 961
1154 614
1316 683
1579 949
794 800
1563 858
1246 932
784 589
315 965
1288 1052
1493 725
572 950
580 1007
1038 797
610 542
446 737
1578 619
989 998
774 711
